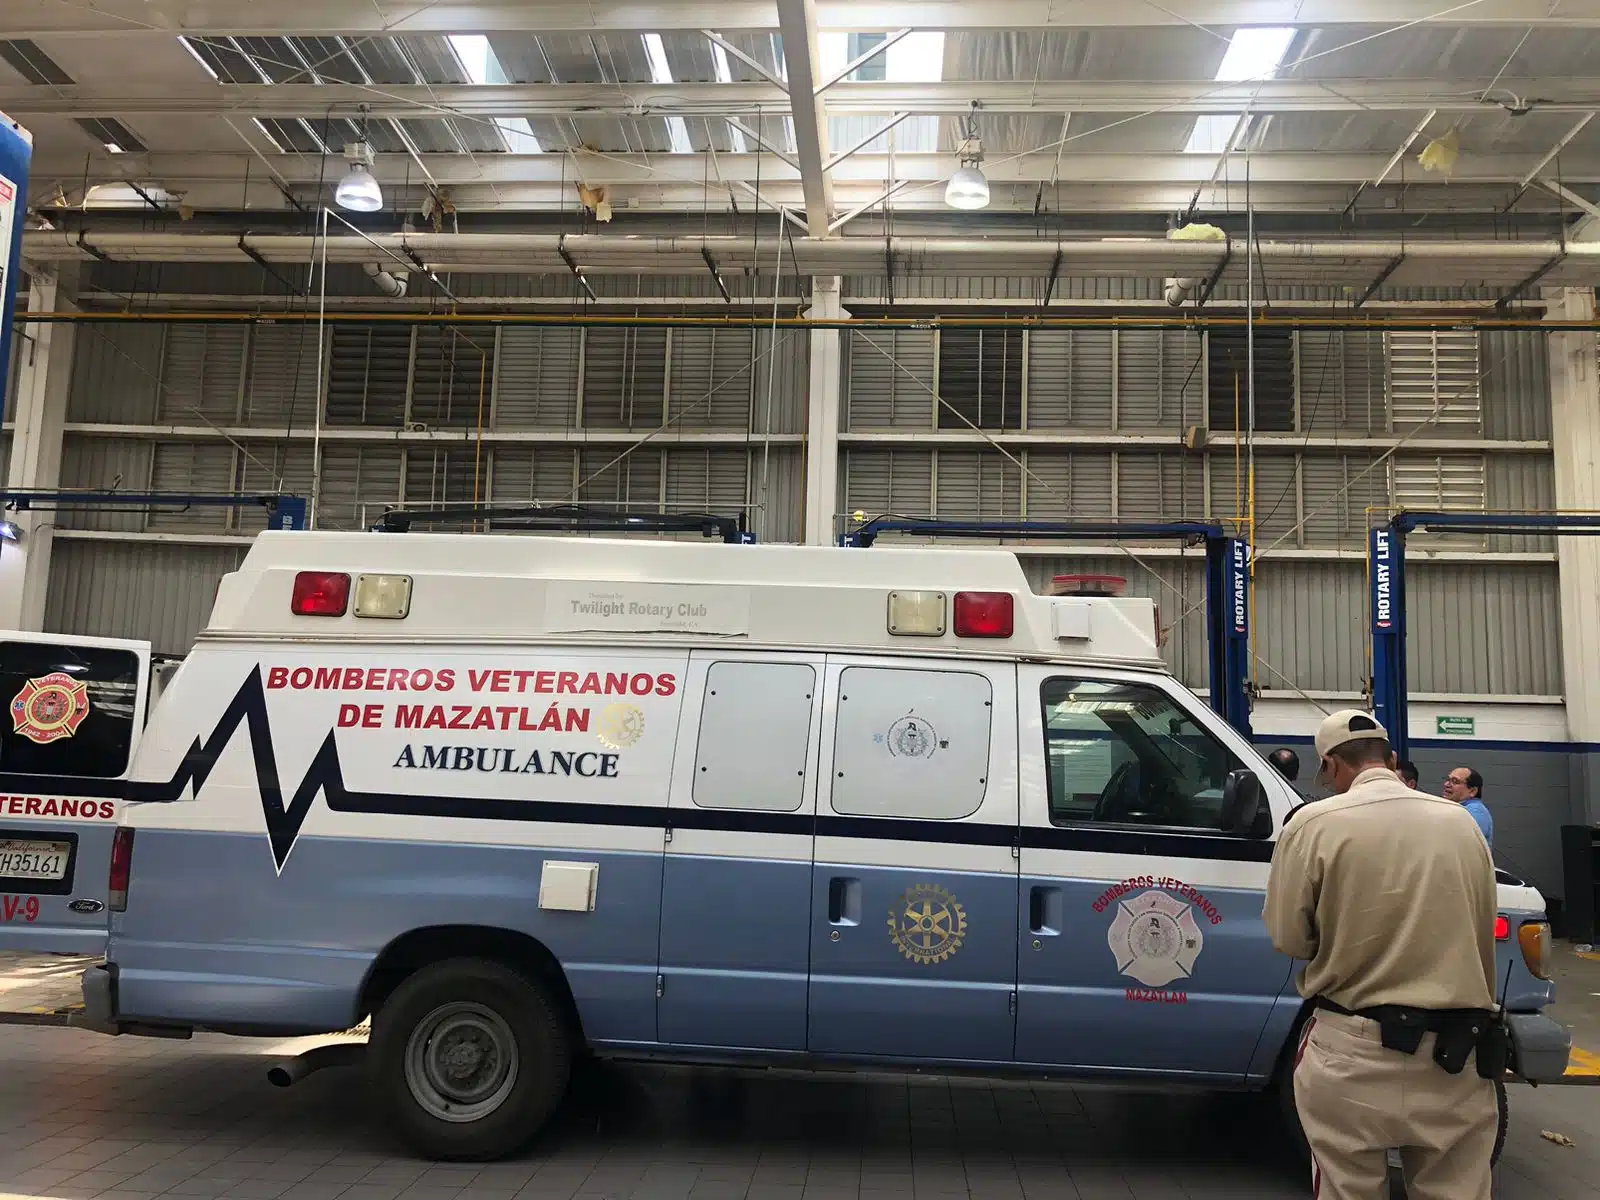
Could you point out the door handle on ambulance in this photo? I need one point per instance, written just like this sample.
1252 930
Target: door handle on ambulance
844 901
1044 911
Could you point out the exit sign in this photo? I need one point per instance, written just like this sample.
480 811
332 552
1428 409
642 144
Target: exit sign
1456 726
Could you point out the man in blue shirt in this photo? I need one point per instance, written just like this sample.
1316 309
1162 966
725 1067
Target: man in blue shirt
1465 787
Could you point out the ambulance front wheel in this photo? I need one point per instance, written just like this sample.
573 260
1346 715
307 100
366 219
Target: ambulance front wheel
471 1058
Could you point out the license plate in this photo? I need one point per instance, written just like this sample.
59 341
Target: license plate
34 860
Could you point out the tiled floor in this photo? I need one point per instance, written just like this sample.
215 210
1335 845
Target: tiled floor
83 1116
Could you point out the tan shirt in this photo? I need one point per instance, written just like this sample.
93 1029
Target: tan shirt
1389 895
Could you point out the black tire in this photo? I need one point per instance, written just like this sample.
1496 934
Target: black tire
513 1039
1297 1135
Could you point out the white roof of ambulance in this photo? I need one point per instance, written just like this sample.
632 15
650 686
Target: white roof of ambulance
497 588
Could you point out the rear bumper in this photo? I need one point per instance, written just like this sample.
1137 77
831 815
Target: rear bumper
100 1000
1540 1047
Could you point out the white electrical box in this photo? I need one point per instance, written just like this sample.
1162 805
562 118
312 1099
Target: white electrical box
568 886
1072 619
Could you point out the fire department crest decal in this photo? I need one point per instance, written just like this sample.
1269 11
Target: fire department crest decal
1155 938
50 708
928 925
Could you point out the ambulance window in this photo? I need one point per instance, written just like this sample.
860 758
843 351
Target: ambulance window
911 743
69 709
755 734
1128 754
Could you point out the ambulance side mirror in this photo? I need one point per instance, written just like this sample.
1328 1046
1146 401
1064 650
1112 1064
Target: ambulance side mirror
1242 803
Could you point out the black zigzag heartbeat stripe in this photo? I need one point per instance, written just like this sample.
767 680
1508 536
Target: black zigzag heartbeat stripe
325 775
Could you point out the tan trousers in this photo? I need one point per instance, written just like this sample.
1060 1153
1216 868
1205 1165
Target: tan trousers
1357 1100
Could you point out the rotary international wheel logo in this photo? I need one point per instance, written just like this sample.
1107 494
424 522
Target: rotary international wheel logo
1155 938
620 725
50 708
928 925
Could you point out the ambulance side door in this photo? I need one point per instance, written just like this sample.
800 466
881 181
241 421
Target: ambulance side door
736 888
914 899
1142 945
74 711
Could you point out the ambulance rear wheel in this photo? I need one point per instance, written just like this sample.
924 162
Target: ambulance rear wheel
471 1058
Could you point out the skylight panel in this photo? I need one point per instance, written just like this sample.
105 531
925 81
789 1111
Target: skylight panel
473 51
199 58
660 72
1252 54
916 58
724 74
478 60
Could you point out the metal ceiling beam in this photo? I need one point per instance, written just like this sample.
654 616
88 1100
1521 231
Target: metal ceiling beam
797 20
862 59
863 143
1572 197
202 97
753 136
1566 139
1394 159
1305 169
748 60
131 19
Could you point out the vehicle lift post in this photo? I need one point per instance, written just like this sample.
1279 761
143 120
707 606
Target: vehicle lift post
1228 582
1386 574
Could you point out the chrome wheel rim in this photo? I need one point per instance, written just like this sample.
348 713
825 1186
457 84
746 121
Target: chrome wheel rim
461 1062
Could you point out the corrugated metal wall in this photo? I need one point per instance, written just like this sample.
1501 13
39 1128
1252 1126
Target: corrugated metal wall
403 406
244 401
1491 625
162 592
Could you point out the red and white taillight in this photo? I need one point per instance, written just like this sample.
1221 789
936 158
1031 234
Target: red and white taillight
329 594
320 594
985 614
974 614
121 869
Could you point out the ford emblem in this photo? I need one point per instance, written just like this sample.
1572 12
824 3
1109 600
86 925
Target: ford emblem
86 906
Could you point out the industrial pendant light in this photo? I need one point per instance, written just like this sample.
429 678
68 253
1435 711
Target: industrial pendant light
358 191
968 189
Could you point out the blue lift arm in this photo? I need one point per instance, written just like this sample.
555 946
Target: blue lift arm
1386 562
283 511
1227 582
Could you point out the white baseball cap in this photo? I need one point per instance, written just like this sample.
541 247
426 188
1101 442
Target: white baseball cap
1347 725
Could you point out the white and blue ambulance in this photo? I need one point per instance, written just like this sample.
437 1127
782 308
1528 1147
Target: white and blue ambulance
522 799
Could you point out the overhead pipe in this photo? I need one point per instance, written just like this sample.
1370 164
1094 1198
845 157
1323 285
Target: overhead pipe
495 252
390 283
1176 291
1443 321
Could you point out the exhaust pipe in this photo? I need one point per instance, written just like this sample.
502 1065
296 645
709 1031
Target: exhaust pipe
390 283
292 1070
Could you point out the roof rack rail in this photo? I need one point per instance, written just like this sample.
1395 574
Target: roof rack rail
570 518
868 531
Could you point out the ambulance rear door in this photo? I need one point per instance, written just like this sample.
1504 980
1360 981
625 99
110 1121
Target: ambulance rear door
74 710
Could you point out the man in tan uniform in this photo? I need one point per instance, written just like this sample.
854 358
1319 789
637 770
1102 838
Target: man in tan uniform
1388 894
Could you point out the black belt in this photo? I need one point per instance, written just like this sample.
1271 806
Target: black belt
1460 1032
